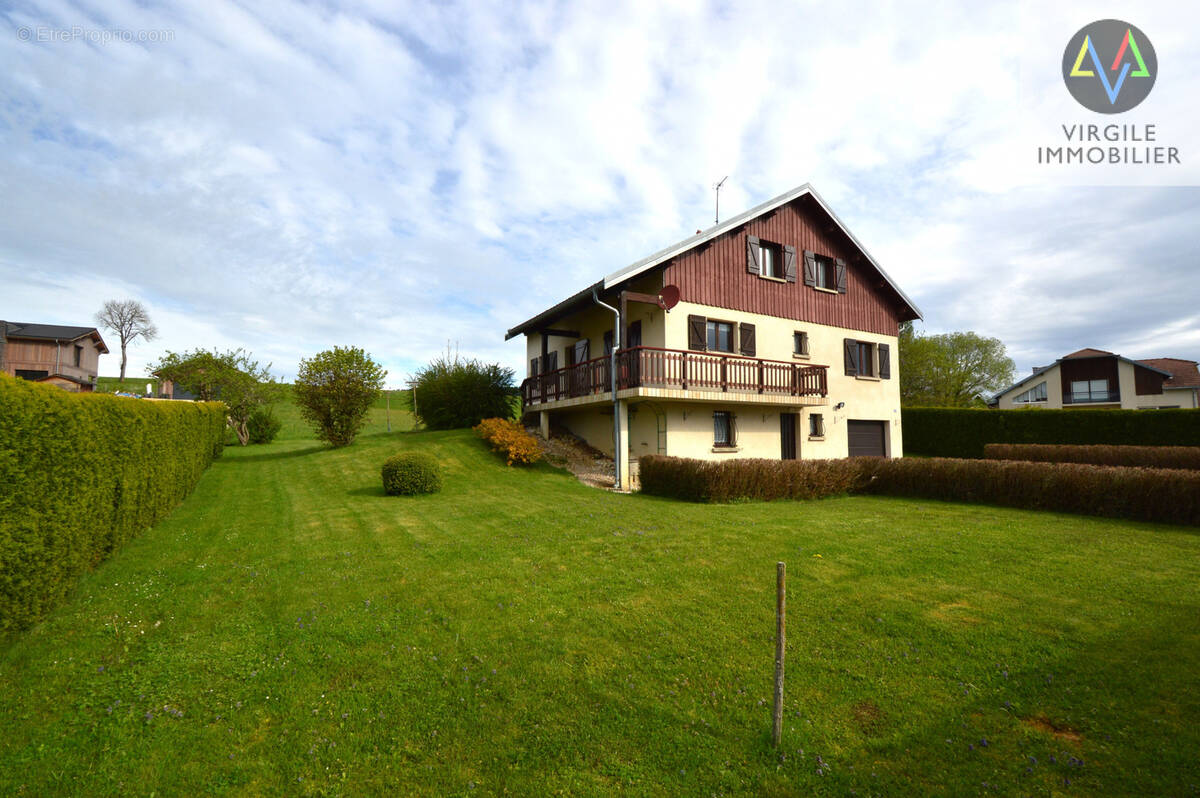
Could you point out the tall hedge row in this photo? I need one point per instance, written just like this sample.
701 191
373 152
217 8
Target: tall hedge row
1185 457
955 432
80 475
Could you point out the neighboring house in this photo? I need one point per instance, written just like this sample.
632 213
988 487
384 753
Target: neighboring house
68 357
782 345
1092 378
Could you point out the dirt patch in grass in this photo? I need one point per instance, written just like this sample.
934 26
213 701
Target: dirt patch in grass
867 716
955 611
1056 730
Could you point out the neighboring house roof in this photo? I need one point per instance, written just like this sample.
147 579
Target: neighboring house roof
53 332
661 257
1184 373
66 377
1082 353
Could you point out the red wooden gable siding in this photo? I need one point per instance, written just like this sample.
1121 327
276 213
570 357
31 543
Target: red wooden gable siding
716 275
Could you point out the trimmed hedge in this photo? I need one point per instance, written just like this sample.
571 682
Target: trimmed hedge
82 474
729 480
1186 457
1144 494
956 432
411 473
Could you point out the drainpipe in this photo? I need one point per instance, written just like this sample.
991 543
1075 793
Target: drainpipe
612 373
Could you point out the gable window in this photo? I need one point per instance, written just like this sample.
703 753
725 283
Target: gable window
1035 394
724 431
772 260
862 357
719 335
768 259
824 272
816 425
799 343
1090 391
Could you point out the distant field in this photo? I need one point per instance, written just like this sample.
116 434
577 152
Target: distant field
135 385
290 630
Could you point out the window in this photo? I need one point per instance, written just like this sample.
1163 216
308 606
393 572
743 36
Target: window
866 359
724 432
826 272
1090 391
31 374
772 260
800 343
1035 394
816 425
720 336
78 355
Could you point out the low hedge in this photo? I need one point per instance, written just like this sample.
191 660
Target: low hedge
510 439
81 474
1186 457
765 480
1144 494
958 432
410 474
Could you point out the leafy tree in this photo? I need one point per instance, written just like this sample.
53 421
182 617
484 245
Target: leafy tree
129 320
230 377
453 393
334 390
950 370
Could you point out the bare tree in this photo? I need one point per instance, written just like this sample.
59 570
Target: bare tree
129 320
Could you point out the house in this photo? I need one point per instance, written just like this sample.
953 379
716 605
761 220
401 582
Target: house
770 335
68 357
1093 378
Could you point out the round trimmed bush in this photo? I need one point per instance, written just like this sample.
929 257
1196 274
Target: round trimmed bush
410 473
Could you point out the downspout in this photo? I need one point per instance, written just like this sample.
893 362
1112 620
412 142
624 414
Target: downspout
612 373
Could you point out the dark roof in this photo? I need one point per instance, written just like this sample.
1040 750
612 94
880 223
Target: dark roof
1184 373
661 257
53 332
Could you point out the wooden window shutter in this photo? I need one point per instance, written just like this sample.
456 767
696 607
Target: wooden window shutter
810 267
633 335
582 350
851 356
552 361
608 342
753 255
789 263
885 365
533 367
746 341
841 276
697 337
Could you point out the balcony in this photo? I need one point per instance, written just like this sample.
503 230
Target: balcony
648 367
1091 397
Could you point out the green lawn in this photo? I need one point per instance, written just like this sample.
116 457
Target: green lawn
291 630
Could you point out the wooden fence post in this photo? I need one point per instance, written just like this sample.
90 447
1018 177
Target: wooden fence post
780 593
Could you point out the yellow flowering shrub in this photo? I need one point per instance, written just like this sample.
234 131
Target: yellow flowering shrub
510 439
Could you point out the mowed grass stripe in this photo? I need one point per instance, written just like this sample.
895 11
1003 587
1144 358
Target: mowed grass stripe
520 632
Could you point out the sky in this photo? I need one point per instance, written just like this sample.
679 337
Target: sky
287 177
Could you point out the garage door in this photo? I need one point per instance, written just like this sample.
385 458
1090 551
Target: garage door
866 438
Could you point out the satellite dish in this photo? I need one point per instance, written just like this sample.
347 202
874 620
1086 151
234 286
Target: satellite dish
669 296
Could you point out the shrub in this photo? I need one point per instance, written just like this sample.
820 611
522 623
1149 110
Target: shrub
1186 457
335 389
263 425
451 394
411 473
953 432
1145 494
766 480
510 439
81 475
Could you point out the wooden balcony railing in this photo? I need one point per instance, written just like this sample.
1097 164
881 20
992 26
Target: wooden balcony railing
652 367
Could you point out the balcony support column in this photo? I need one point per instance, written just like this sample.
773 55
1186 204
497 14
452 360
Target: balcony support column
622 440
544 423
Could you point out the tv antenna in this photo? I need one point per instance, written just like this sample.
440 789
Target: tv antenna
717 211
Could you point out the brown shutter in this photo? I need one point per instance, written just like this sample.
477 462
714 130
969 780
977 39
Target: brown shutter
841 276
697 329
885 365
533 368
789 263
851 356
746 340
633 335
582 348
753 256
552 361
810 267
